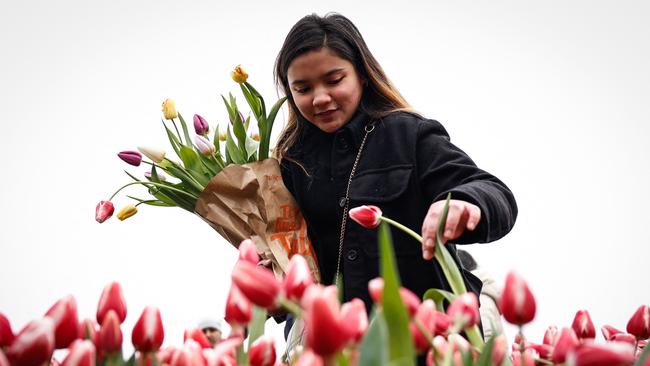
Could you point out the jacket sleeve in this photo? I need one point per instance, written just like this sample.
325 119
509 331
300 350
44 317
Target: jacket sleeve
443 168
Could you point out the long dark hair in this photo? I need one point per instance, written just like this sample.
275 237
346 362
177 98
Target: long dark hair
339 34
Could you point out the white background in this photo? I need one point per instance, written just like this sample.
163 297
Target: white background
550 96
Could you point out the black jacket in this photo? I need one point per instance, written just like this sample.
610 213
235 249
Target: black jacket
407 164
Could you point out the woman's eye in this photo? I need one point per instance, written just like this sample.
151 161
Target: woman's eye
336 81
301 90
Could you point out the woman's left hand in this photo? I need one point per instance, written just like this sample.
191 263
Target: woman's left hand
461 215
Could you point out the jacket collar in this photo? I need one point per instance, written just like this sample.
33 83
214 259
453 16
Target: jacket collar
355 128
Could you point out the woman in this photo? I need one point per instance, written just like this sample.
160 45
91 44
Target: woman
351 139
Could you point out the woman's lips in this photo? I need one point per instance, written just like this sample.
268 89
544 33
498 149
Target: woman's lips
326 113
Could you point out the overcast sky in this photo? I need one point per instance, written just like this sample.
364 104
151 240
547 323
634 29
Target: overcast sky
553 97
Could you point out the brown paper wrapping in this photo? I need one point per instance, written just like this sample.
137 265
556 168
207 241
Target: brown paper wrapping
251 201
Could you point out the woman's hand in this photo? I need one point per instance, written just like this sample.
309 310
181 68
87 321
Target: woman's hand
462 215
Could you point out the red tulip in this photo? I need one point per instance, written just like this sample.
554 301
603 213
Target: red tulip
248 252
411 300
82 353
354 319
239 310
464 310
611 354
625 338
426 316
201 126
309 358
89 329
525 360
298 278
609 331
165 355
583 326
112 298
33 345
148 333
104 211
66 321
224 352
367 216
544 351
197 336
324 331
256 283
188 355
517 303
6 334
262 352
110 334
639 323
565 343
551 335
131 157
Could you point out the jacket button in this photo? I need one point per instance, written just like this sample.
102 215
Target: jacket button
342 202
352 255
343 143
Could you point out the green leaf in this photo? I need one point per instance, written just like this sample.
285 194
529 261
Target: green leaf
449 267
439 296
240 132
259 97
233 151
247 122
266 129
400 344
373 351
157 202
131 360
645 354
256 326
231 113
252 101
173 140
485 359
185 131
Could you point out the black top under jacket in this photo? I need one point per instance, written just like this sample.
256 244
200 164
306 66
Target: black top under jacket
407 164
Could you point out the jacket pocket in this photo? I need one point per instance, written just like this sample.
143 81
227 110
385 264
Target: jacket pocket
381 185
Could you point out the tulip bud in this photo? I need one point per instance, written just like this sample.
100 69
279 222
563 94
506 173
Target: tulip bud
239 310
126 212
148 333
551 335
609 331
298 278
110 334
82 353
499 348
517 303
222 136
426 316
367 216
224 351
89 329
525 360
625 338
256 283
354 319
464 310
323 328
161 177
197 336
544 351
112 298
156 155
188 355
169 109
611 354
103 211
131 157
6 334
565 343
34 344
411 300
262 352
201 126
248 251
66 321
639 323
239 75
309 358
583 326
204 145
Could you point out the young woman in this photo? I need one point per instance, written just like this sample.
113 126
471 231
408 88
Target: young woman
351 139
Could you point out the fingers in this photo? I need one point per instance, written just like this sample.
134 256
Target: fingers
460 216
474 217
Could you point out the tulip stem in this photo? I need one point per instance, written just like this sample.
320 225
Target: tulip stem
177 131
291 307
405 229
155 185
423 330
475 337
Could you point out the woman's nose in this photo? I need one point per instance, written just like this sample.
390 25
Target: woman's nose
321 97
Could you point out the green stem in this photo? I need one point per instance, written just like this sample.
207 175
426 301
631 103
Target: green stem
475 338
291 306
177 131
153 184
405 229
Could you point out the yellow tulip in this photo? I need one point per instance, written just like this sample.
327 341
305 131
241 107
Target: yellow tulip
126 212
222 136
169 109
255 136
239 75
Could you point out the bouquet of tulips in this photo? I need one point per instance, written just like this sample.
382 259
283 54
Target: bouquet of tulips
236 188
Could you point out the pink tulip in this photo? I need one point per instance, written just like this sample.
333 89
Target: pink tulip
544 351
66 321
639 323
112 298
611 354
148 333
517 303
248 251
625 338
609 331
411 300
297 279
309 358
551 335
583 326
131 157
104 211
164 355
89 329
354 319
367 216
426 316
201 126
188 355
256 283
198 337
239 310
33 345
5 362
464 310
262 352
499 349
566 342
205 146
525 360
6 334
110 334
82 353
224 352
324 332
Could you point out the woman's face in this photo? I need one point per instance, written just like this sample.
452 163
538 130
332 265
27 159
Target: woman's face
325 88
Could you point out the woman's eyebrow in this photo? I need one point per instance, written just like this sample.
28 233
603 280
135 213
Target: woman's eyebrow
329 73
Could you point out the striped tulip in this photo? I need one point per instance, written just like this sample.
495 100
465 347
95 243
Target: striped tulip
248 251
517 303
110 334
639 323
463 311
551 335
82 353
376 289
104 211
610 354
367 216
256 283
66 321
609 331
354 319
89 329
239 310
325 334
625 338
33 345
297 279
262 352
583 326
188 355
148 333
130 157
566 342
198 337
112 298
